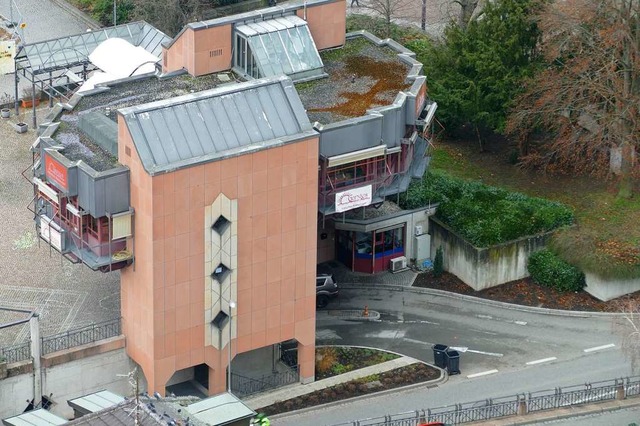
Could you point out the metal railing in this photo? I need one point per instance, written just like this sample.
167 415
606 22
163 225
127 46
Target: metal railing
16 353
521 404
81 336
245 386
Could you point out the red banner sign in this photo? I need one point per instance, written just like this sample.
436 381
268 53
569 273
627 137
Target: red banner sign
55 171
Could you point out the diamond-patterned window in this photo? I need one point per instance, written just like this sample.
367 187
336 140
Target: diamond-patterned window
221 224
220 273
220 320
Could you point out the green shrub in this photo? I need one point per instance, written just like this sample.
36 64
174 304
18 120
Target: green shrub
485 215
340 369
548 269
438 263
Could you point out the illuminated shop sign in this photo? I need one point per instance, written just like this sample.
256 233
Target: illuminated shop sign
56 172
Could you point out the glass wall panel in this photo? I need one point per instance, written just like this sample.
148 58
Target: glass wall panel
280 46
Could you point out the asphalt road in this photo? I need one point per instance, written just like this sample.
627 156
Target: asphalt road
507 351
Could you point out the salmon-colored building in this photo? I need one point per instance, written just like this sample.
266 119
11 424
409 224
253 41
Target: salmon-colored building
207 185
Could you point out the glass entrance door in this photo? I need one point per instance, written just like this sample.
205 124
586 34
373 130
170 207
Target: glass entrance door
389 244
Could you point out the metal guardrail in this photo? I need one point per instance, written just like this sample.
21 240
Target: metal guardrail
81 336
512 405
245 386
16 353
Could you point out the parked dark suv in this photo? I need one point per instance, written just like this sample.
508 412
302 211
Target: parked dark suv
326 287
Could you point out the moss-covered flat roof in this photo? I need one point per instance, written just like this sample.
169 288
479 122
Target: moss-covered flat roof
362 75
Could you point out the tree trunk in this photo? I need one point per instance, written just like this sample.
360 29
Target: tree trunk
625 190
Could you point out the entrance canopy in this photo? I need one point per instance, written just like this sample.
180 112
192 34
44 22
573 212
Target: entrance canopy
279 46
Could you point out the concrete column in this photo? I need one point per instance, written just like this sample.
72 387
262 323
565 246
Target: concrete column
307 362
34 327
217 381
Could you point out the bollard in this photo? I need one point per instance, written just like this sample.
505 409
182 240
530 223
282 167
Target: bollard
522 407
365 313
620 394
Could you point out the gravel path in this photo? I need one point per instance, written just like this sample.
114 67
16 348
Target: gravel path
31 276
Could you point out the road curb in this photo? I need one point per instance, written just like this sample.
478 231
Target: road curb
78 14
481 301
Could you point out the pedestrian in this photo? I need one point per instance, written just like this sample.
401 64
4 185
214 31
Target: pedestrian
356 2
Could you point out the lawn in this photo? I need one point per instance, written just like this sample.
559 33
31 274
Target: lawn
607 238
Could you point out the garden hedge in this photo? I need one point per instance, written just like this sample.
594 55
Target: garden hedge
548 269
485 215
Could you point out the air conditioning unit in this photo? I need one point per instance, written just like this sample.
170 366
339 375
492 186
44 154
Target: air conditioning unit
417 230
398 264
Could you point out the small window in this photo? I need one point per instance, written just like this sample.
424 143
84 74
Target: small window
220 273
221 225
220 320
320 282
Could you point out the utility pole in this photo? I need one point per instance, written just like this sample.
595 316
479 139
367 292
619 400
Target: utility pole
114 13
424 15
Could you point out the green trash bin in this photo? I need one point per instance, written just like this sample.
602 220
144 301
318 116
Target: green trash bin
439 355
453 362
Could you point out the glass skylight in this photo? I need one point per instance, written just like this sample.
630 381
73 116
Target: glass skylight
277 46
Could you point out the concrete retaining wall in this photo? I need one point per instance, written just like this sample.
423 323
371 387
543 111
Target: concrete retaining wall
69 374
606 289
482 268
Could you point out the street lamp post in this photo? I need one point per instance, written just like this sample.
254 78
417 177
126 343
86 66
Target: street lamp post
232 306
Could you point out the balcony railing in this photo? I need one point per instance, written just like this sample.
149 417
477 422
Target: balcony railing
16 353
81 336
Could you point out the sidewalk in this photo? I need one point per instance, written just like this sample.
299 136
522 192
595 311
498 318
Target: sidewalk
293 391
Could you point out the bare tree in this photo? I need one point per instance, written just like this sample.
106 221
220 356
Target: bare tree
627 327
390 10
467 10
584 105
168 16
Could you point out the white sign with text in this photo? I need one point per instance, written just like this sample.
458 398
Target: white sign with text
353 198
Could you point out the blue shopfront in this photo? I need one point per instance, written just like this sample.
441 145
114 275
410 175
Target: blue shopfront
370 251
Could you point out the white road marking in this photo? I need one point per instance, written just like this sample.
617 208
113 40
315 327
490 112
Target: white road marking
327 334
419 322
540 361
489 317
485 353
484 332
597 348
464 349
484 373
387 334
420 342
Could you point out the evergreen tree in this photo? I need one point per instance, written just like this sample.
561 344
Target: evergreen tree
477 71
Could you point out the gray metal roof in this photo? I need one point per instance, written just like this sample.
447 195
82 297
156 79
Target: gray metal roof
218 123
220 410
95 402
67 51
38 417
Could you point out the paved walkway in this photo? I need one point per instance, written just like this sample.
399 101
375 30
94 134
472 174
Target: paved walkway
293 391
